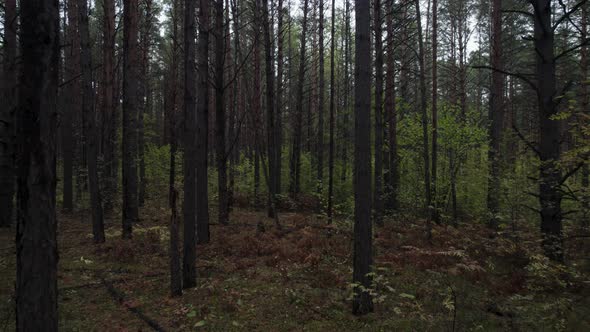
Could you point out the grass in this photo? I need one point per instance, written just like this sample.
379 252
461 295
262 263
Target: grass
299 278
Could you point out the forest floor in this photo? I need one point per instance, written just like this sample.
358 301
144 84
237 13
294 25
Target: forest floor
299 278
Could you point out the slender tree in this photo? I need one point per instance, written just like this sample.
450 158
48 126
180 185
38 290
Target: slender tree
424 111
321 93
391 111
109 110
36 243
90 124
434 214
189 274
220 118
363 237
202 119
496 116
130 112
378 175
295 161
332 114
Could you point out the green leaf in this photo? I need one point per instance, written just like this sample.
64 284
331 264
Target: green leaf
191 314
200 323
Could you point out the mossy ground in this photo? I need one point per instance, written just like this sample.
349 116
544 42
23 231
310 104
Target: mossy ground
299 278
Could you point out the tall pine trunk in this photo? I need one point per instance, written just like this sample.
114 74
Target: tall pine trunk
363 234
332 114
220 148
130 111
189 273
36 242
90 125
378 175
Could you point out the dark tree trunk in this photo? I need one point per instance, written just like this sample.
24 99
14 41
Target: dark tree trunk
220 149
144 97
434 210
550 193
321 93
202 118
36 243
7 130
72 92
585 102
189 272
109 109
130 111
272 135
424 111
175 267
378 175
496 116
363 235
391 111
347 92
279 99
332 114
295 162
90 124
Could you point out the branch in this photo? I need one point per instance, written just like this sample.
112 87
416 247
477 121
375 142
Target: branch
529 144
567 14
569 50
518 75
521 12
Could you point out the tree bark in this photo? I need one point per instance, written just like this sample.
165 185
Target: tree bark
434 202
72 92
332 114
223 201
378 175
496 117
202 124
295 162
189 273
36 243
7 112
90 124
109 109
550 193
321 102
363 235
391 111
130 112
424 112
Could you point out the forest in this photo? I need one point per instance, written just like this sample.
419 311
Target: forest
295 165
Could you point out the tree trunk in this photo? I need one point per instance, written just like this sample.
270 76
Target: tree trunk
550 194
391 111
363 235
144 97
424 111
202 198
378 176
223 202
295 162
189 273
72 92
496 117
36 243
332 114
434 214
279 99
585 102
321 93
7 112
109 109
347 92
272 135
90 125
130 111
